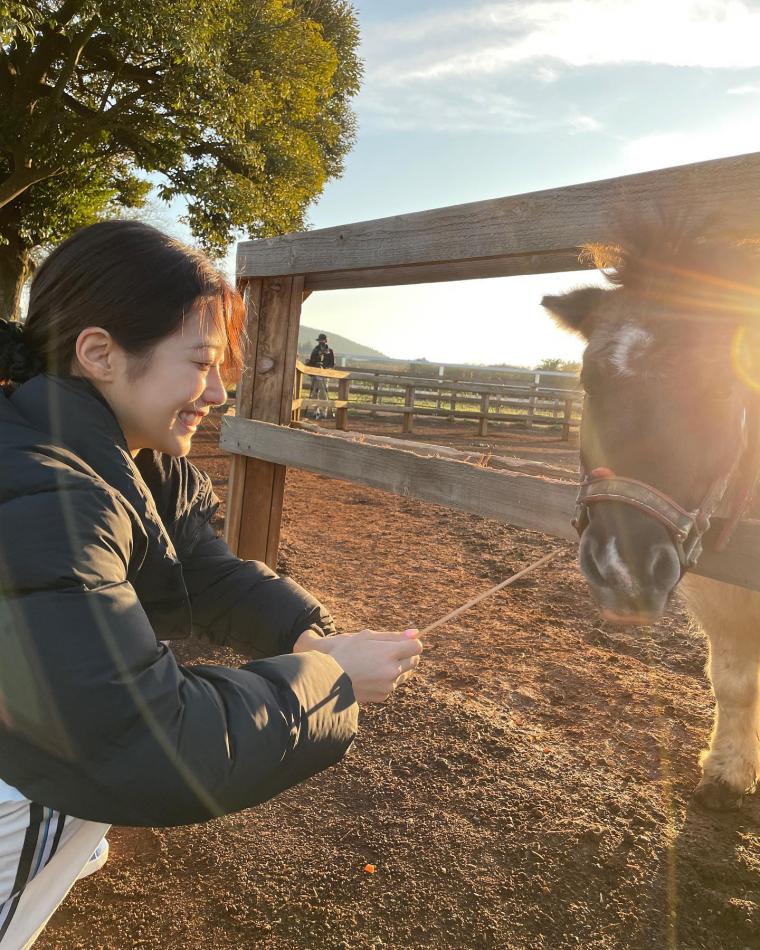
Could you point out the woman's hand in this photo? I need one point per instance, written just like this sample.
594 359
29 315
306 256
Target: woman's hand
376 661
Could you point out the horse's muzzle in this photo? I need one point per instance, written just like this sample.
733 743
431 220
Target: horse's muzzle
630 563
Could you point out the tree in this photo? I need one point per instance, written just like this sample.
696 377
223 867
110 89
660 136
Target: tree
240 106
557 365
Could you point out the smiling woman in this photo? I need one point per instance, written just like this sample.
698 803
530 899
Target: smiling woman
107 551
148 322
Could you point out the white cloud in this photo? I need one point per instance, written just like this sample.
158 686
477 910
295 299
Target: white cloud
466 110
584 123
453 70
746 90
493 38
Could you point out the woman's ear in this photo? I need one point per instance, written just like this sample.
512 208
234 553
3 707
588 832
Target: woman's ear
95 355
577 309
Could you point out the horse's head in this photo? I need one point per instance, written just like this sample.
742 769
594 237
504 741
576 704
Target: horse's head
665 416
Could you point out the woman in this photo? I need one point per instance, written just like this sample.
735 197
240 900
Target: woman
106 550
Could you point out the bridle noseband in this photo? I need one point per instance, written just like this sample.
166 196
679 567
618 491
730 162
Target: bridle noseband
686 527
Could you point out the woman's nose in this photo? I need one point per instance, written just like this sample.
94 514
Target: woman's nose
215 393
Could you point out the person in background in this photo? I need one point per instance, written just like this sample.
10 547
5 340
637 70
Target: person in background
323 357
107 551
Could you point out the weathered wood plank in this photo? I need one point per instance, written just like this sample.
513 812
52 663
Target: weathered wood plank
273 332
496 389
440 271
318 371
457 414
524 500
251 291
539 504
324 403
433 450
555 221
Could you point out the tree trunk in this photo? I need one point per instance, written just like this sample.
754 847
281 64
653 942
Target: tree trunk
15 269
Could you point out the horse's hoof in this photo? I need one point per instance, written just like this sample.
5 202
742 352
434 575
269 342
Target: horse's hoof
717 795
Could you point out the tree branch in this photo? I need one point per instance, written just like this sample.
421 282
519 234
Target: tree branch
44 115
17 183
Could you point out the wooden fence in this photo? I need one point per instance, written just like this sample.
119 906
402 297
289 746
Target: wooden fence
526 234
374 392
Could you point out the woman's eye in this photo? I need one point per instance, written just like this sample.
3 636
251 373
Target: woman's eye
204 366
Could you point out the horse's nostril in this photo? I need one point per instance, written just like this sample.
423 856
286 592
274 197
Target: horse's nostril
665 567
590 560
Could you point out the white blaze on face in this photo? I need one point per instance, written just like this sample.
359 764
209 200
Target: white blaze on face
629 346
612 566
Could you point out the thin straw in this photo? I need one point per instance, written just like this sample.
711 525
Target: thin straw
493 590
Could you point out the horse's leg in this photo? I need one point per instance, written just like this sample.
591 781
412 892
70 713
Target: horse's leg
730 616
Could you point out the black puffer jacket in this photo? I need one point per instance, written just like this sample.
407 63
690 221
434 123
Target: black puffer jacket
101 557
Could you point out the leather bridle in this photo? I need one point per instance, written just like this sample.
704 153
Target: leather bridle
685 527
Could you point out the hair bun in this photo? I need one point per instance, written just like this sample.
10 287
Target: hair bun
17 362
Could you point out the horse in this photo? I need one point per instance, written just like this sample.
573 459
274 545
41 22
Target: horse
670 436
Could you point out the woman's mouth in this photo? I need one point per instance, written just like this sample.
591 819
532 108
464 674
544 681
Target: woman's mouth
189 420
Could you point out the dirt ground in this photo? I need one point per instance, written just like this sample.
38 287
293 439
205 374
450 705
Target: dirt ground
529 789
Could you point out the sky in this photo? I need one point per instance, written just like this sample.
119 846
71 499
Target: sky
463 101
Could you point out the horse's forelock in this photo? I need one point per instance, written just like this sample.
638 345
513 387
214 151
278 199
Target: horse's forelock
694 270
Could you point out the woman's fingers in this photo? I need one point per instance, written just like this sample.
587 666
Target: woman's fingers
409 664
390 635
408 648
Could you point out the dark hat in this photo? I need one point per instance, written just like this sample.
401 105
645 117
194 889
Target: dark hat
322 336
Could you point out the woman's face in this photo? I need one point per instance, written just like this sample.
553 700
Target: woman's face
162 406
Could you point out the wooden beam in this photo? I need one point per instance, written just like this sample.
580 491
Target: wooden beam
251 291
433 450
319 371
440 271
266 395
523 500
512 233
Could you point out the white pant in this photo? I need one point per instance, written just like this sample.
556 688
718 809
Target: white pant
41 855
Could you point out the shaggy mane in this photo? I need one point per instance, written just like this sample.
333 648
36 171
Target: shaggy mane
689 267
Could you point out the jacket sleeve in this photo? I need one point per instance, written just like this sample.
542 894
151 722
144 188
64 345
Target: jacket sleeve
244 604
235 603
99 721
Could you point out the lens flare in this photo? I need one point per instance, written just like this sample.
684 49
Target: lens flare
745 357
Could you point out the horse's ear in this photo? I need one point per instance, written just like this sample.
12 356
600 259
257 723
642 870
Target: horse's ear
576 310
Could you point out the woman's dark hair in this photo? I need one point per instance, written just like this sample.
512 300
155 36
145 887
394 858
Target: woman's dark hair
17 362
128 278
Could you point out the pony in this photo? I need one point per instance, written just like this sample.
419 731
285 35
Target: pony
670 436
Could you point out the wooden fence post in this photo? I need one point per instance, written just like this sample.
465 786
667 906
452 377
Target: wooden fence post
408 423
532 401
297 394
569 403
265 393
341 416
485 401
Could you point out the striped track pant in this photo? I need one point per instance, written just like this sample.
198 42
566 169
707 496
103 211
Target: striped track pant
41 854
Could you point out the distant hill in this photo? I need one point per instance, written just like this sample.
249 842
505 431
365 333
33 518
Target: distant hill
307 340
